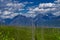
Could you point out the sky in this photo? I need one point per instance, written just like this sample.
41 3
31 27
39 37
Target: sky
28 8
40 1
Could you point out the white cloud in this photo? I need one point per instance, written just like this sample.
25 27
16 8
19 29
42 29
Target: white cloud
45 5
15 5
44 8
10 9
9 4
9 16
28 2
31 12
7 12
57 13
29 15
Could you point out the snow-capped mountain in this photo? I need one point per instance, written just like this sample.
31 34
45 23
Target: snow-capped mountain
50 20
39 20
21 20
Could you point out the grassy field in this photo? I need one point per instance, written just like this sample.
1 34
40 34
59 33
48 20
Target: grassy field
48 34
25 33
15 33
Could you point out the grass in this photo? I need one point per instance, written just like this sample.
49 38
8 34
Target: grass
25 33
49 34
15 33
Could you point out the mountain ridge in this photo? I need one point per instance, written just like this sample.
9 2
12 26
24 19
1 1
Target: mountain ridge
39 20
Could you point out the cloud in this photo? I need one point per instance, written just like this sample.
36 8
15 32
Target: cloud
44 8
9 16
6 12
15 5
57 13
46 5
10 9
57 1
28 2
29 15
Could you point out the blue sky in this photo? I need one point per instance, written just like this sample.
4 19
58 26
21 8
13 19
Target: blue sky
36 1
28 8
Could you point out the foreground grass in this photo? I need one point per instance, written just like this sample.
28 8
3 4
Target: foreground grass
25 33
15 33
48 34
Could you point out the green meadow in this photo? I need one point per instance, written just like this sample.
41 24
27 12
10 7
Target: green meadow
48 34
25 33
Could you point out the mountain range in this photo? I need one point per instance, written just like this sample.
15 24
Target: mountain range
39 20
